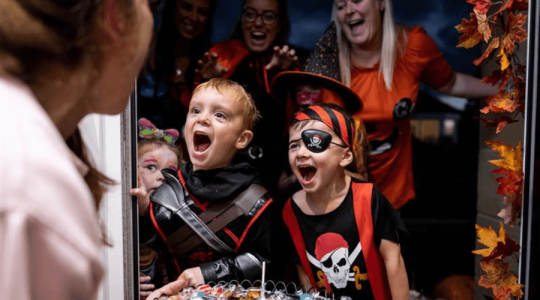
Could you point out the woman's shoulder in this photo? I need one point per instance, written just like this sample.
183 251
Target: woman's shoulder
43 178
419 44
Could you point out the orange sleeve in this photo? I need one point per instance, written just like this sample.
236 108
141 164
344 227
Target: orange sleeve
435 70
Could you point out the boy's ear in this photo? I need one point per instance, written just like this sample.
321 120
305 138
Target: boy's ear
347 158
244 139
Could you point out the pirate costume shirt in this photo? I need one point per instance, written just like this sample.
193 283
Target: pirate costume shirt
249 235
332 243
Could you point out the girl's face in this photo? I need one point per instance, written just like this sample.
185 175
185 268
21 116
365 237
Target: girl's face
191 17
361 21
260 24
152 162
316 170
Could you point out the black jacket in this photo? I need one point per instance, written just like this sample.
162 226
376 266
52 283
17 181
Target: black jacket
249 235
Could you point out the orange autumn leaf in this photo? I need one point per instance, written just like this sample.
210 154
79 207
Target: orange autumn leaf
488 237
504 59
470 36
481 6
512 159
514 32
494 44
483 25
502 102
500 279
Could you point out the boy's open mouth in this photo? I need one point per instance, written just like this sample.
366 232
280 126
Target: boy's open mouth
201 142
307 172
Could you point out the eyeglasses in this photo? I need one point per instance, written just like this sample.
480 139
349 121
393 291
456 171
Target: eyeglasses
315 140
268 17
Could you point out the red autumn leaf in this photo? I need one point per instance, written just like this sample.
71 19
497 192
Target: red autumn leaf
511 182
505 5
494 44
512 159
520 5
503 249
514 32
483 25
500 122
498 75
481 6
502 102
500 279
470 36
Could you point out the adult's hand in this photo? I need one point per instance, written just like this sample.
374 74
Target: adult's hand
283 58
209 67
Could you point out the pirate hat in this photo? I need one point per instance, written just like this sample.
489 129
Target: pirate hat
320 69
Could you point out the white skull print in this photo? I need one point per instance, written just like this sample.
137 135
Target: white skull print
332 256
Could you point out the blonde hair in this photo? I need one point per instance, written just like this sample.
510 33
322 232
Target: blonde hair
235 92
394 39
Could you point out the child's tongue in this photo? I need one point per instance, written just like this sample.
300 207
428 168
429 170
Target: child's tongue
308 173
202 142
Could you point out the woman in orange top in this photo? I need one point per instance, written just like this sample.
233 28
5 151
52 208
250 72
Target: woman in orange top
384 63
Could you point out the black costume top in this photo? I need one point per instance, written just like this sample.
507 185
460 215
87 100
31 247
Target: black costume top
248 235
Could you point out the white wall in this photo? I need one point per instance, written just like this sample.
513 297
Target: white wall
103 136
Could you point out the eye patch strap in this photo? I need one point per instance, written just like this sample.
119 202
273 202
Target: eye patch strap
332 118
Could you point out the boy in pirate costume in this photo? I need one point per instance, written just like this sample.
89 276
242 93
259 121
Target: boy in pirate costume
346 233
219 195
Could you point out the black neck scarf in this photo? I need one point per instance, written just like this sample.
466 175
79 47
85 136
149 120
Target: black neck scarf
218 184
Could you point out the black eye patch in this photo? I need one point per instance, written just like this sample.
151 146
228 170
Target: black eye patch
316 140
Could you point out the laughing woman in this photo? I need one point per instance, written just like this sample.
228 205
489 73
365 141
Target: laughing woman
384 64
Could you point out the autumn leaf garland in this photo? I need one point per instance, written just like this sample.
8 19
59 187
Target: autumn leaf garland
503 31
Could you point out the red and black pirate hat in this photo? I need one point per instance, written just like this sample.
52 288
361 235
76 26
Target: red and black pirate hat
320 69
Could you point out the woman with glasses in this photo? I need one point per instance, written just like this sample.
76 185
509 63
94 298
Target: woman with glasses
254 55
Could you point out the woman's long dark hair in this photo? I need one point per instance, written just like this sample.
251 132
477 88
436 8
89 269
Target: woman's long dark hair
167 36
284 31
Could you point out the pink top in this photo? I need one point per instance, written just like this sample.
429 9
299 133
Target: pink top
50 239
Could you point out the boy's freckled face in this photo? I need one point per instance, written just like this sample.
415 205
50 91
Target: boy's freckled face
314 171
152 162
214 126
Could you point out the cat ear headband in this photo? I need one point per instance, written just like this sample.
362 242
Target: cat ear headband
147 130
